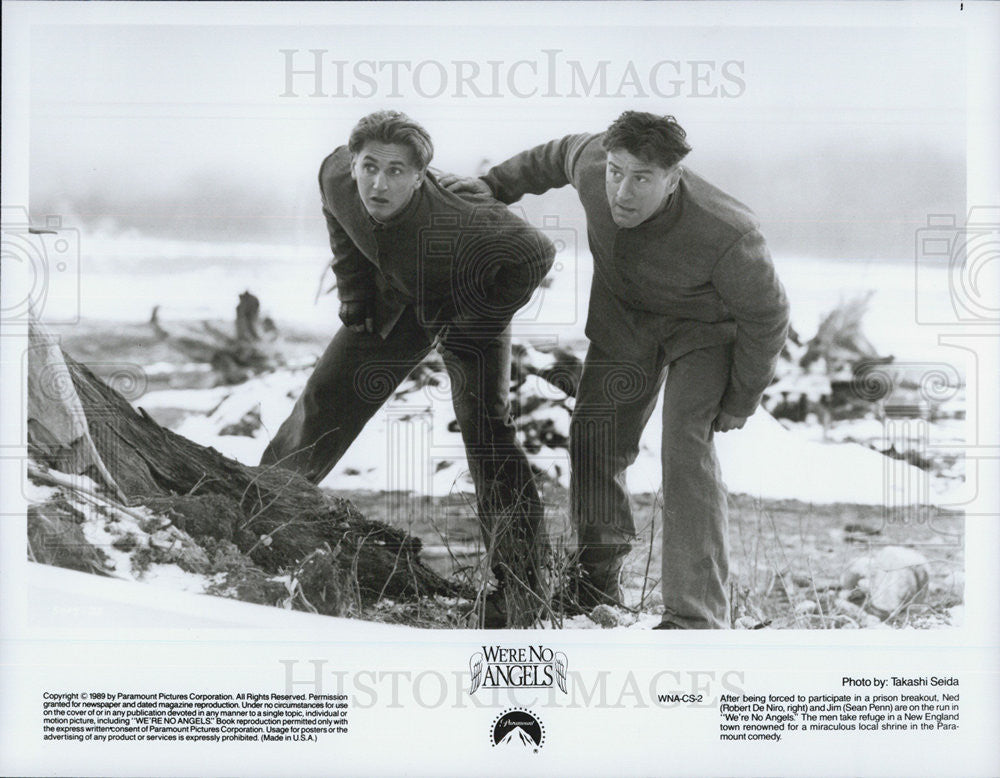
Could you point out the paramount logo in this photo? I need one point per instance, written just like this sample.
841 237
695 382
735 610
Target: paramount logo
531 667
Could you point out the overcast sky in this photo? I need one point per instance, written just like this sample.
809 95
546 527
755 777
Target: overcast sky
842 139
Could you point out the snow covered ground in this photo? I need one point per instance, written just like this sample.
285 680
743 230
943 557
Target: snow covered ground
420 454
68 599
412 444
409 447
124 275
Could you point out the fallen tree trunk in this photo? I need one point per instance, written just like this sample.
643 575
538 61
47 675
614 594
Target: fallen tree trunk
279 520
234 359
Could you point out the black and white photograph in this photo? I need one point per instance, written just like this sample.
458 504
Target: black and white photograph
434 387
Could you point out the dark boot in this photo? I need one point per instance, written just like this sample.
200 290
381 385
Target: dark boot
495 611
600 575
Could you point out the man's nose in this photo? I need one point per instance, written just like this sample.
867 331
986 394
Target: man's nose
379 182
624 191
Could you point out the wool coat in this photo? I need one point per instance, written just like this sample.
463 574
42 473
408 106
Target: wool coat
465 262
697 274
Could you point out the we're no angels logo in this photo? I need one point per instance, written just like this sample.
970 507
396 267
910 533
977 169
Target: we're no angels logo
533 667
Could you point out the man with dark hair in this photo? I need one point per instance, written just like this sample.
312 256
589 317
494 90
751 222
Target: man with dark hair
684 296
417 266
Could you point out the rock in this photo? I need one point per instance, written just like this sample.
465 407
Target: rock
860 528
55 537
173 546
954 583
605 616
246 426
889 579
857 615
806 607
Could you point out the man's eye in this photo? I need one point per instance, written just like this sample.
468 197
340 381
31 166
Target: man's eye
371 169
641 179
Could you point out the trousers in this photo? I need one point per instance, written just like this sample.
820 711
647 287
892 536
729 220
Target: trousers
614 402
359 372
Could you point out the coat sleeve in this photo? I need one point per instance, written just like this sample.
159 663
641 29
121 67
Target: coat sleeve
537 170
498 277
748 285
355 274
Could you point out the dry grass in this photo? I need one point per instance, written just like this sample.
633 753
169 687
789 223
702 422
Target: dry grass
787 558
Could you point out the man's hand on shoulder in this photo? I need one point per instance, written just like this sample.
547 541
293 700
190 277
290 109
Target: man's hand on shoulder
725 422
464 185
357 315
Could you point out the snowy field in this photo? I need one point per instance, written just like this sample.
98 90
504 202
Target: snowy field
412 446
765 459
123 277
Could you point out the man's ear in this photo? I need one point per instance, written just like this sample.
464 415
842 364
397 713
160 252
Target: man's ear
354 159
675 177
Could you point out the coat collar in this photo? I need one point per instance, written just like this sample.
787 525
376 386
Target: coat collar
400 218
666 217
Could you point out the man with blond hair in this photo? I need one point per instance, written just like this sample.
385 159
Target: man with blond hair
418 266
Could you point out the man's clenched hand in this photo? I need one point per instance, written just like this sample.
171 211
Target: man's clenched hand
357 316
464 185
726 421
